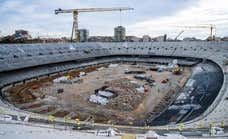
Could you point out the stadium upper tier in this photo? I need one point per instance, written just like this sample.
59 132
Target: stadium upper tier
26 55
19 62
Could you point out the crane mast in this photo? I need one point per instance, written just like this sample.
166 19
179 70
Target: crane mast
76 12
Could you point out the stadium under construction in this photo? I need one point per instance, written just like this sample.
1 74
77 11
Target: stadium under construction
130 87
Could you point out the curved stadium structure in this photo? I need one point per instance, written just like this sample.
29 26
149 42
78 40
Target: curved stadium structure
199 102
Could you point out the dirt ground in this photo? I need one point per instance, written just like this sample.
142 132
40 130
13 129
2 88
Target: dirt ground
128 107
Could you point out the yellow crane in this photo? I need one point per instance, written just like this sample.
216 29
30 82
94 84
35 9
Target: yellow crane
211 27
75 13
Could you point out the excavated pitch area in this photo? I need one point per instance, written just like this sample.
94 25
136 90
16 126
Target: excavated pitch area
128 105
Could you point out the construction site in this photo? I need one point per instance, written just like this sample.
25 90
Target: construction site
124 93
149 88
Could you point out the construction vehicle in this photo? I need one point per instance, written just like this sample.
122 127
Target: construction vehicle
77 11
211 27
177 70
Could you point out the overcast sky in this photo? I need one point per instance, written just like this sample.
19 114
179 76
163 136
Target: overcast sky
152 17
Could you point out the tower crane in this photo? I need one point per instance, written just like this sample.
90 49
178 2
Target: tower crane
75 13
211 27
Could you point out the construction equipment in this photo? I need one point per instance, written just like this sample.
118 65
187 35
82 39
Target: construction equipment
182 31
211 27
177 70
128 136
77 11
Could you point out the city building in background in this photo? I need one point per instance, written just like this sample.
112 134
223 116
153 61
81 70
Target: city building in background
132 39
224 38
119 34
22 34
146 38
101 39
162 38
83 35
188 39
